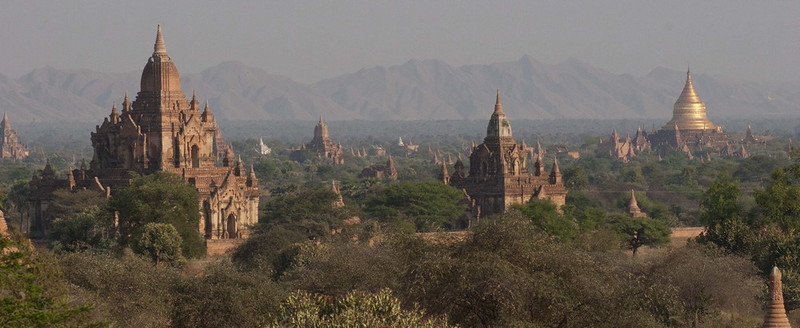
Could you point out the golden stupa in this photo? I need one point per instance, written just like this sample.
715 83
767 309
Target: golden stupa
689 111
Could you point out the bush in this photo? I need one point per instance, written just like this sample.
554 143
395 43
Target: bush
32 292
355 309
130 291
160 242
225 297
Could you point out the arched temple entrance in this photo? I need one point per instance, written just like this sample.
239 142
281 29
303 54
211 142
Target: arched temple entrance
195 156
231 226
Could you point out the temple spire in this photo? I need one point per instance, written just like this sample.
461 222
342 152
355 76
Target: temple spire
194 104
555 173
499 127
114 114
498 106
126 103
633 207
633 203
444 176
160 47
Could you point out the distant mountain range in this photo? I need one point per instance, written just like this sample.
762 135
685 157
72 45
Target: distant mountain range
415 90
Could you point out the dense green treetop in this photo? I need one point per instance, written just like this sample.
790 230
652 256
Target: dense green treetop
161 197
429 205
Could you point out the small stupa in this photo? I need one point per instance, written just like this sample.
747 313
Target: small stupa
776 312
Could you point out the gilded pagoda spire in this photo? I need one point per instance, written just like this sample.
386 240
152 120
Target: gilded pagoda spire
689 111
776 312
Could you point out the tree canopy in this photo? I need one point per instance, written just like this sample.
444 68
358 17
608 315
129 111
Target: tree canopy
161 197
429 205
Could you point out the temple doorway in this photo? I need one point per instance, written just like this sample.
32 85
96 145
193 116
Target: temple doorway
195 156
231 227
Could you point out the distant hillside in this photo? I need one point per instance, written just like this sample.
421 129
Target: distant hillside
415 90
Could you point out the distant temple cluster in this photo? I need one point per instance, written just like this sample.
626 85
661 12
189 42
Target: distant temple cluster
159 131
10 147
380 171
321 145
689 131
498 174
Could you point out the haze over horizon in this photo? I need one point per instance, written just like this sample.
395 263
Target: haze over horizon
311 41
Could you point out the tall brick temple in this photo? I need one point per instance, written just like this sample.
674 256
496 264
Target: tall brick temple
498 172
322 146
161 130
10 147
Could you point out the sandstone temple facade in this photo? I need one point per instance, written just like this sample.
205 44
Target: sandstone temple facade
10 147
161 130
498 174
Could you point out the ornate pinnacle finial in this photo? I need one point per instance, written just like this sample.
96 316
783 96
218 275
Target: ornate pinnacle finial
160 47
498 106
320 119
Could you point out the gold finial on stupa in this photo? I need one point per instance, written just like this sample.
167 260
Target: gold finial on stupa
689 111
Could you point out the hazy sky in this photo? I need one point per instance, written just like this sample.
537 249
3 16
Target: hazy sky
312 40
